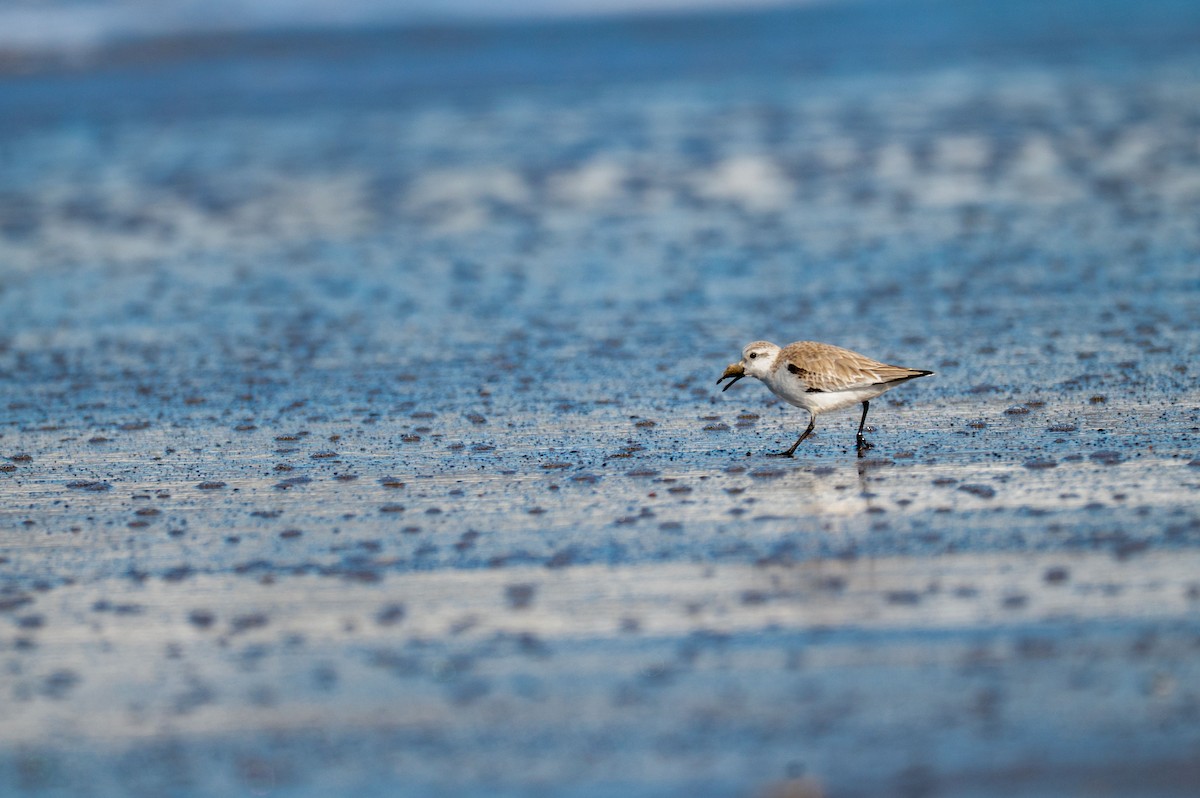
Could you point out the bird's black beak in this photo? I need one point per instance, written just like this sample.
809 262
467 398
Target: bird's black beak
733 373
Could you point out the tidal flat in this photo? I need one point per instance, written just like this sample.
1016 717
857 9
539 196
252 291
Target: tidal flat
360 433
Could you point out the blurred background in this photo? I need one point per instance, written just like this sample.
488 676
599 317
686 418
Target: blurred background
52 25
360 434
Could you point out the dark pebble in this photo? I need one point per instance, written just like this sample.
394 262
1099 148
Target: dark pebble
561 559
390 614
292 482
242 623
753 598
92 485
1056 575
519 596
1014 602
59 683
9 603
201 619
177 574
903 597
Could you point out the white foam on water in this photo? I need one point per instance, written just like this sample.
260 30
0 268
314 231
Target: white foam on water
70 26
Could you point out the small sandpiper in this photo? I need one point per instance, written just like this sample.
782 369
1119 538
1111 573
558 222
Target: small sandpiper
818 377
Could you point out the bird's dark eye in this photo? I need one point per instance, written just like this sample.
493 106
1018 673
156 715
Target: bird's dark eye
753 355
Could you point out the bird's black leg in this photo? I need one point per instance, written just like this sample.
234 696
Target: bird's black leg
860 441
812 420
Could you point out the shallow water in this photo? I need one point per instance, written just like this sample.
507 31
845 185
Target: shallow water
361 432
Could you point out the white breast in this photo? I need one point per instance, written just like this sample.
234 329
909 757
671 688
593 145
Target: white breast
793 390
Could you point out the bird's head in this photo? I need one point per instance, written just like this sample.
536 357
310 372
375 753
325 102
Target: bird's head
756 362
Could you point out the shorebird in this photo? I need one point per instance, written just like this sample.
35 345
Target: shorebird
820 378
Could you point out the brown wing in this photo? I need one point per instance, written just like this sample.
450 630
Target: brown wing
824 367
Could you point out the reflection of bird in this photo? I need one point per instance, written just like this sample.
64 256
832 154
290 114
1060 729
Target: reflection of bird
819 378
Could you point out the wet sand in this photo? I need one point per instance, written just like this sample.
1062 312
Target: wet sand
361 434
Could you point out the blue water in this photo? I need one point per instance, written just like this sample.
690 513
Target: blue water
438 306
73 24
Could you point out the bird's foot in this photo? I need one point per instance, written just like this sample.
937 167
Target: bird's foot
780 454
863 446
